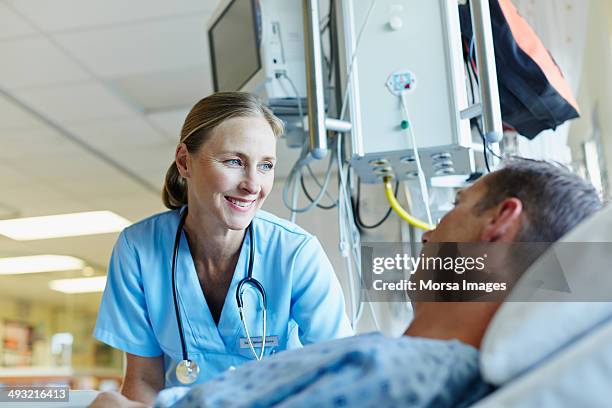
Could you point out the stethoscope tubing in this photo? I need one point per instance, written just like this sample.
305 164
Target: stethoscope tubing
179 321
249 280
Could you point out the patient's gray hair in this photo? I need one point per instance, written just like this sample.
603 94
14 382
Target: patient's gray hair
555 200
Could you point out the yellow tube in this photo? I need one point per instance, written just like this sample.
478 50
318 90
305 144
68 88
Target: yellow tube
400 211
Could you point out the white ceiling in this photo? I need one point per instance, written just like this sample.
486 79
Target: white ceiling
92 97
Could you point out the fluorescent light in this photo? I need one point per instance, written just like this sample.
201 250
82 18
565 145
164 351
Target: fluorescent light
39 263
63 225
79 285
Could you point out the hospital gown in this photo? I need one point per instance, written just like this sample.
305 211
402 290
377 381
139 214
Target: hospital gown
369 370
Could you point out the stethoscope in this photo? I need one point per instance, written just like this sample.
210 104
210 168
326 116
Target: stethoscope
187 370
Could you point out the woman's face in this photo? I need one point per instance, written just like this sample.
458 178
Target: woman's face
231 174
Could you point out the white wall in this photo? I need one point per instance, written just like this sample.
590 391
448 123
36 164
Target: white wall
596 84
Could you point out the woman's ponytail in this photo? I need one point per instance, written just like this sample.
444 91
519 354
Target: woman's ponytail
174 195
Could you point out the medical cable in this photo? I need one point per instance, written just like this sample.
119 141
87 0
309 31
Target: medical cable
472 73
372 313
303 161
292 179
354 57
475 123
344 206
343 230
422 181
294 202
488 145
308 196
344 203
318 183
400 211
355 201
330 26
347 227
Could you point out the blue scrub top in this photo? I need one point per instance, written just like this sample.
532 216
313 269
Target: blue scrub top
137 315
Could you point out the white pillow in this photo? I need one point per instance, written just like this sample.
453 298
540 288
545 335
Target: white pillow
578 377
523 334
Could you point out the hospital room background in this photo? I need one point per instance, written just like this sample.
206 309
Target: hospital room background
92 98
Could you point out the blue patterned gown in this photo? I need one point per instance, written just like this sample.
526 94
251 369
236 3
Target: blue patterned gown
369 370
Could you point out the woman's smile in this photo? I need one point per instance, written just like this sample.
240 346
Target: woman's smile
240 204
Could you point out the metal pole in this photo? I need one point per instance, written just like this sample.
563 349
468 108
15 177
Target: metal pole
485 59
314 79
352 70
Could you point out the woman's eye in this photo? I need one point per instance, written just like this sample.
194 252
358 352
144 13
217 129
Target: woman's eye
234 162
266 166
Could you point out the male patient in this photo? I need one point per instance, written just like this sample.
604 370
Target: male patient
435 363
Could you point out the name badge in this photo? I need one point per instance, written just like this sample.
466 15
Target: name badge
271 341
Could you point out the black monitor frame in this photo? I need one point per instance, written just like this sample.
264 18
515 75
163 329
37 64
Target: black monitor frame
256 39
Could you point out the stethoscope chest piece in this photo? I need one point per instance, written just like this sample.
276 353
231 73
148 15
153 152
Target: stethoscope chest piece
187 371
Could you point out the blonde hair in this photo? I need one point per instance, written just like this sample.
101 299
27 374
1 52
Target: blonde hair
206 115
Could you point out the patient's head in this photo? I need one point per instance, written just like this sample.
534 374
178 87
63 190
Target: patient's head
526 200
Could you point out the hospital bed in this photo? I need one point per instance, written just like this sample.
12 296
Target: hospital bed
556 353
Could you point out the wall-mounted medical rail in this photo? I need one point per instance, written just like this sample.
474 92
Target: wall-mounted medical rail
314 79
318 124
485 61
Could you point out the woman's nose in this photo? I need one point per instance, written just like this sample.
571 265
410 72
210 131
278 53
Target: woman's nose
250 184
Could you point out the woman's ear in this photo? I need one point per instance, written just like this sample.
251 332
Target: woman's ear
183 160
505 223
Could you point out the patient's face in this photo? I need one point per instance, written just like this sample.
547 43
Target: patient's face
462 223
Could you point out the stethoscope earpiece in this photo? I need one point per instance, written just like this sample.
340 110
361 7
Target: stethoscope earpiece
187 371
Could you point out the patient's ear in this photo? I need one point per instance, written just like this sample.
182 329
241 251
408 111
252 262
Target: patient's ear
505 223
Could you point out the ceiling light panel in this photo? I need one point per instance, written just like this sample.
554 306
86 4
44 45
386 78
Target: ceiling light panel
35 61
39 263
79 285
62 225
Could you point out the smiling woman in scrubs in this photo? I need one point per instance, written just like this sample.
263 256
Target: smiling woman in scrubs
222 173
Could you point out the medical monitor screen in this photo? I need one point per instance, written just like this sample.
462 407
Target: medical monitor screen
234 48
